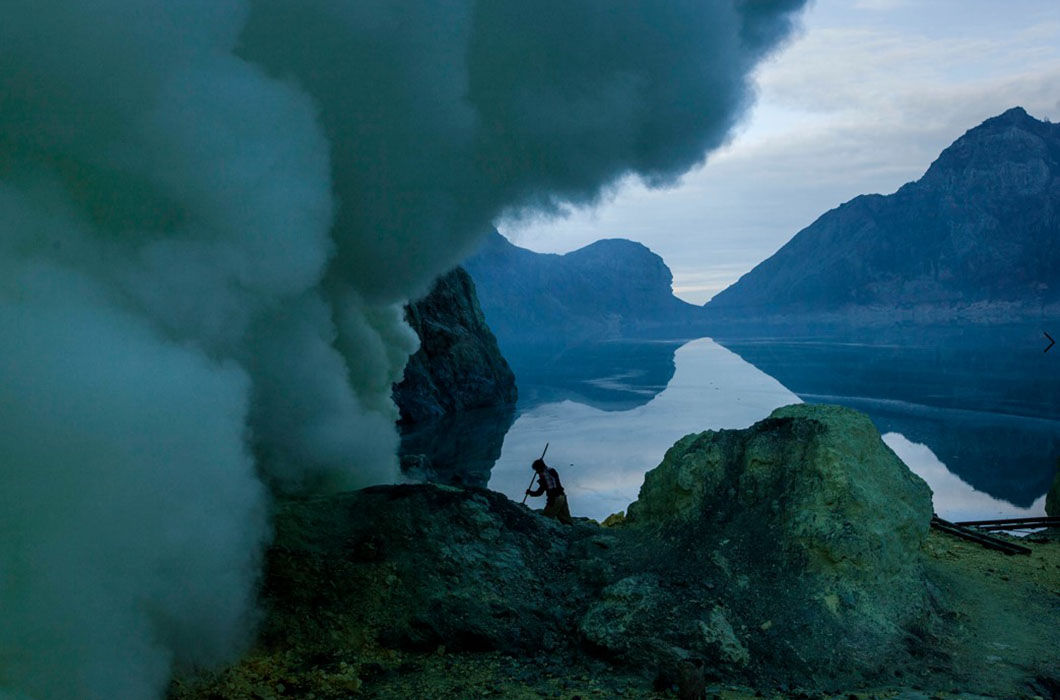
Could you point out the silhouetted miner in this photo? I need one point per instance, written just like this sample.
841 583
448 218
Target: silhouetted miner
555 497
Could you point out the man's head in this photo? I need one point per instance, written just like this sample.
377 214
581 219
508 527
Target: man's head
538 465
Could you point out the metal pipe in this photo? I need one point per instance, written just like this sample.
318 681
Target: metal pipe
987 541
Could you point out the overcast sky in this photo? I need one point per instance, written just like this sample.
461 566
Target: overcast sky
861 101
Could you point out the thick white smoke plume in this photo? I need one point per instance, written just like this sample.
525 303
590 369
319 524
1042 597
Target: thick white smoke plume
211 212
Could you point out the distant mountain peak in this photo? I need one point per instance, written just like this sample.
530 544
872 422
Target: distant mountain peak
980 231
1015 118
1012 114
1014 149
611 288
616 244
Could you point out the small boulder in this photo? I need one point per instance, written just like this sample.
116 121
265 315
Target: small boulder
617 621
719 641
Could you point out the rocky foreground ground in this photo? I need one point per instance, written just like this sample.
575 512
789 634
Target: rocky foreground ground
790 559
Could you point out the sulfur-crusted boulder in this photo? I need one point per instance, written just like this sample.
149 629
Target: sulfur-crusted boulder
810 524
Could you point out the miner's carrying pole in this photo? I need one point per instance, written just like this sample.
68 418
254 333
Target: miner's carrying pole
535 474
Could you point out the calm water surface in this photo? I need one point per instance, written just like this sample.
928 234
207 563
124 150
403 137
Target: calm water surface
985 444
602 455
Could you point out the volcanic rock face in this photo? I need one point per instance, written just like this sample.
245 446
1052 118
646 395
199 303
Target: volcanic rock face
787 551
458 366
975 237
421 566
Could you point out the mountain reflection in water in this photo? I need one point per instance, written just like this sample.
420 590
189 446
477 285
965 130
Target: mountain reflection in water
609 418
986 402
954 498
612 376
602 456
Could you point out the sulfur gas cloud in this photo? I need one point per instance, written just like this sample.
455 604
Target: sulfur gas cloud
211 212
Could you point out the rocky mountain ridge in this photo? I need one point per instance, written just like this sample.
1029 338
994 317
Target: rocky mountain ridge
976 239
610 289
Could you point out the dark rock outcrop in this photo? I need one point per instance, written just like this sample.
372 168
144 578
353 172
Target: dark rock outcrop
609 289
427 566
976 239
458 366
